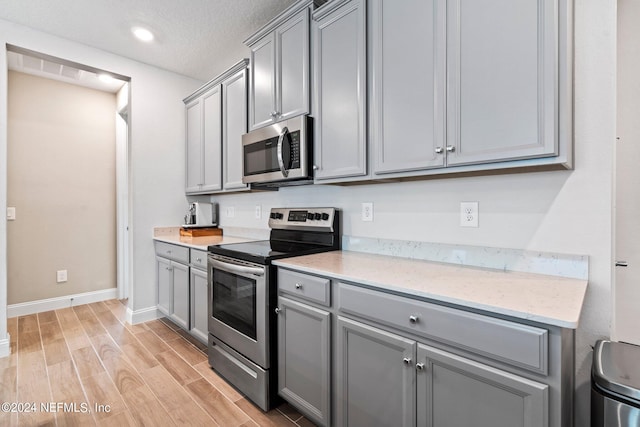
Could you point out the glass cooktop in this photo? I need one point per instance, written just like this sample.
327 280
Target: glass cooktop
263 251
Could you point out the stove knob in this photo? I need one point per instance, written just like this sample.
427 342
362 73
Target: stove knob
273 215
317 216
325 216
310 216
279 215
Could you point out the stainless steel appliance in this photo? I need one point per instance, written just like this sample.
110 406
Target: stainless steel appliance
279 153
201 215
242 297
615 385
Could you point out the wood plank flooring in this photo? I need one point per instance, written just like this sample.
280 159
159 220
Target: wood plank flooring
86 366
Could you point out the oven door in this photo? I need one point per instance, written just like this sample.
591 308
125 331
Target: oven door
237 306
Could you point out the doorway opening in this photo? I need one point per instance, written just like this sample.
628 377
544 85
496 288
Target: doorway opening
35 68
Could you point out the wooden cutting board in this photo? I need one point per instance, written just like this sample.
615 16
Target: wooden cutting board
200 232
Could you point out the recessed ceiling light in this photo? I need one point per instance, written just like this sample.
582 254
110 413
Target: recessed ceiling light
142 34
105 78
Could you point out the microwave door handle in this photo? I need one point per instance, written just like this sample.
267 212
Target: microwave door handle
256 271
284 171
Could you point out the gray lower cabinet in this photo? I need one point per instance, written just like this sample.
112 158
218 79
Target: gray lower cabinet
180 294
304 358
375 377
173 290
164 280
455 391
182 286
350 355
199 301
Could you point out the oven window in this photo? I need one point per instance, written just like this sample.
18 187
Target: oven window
234 302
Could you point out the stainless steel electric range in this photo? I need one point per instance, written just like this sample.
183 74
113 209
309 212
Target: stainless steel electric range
242 297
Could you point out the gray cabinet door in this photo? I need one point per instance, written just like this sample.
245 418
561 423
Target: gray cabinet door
502 73
199 301
193 178
234 114
262 83
212 140
454 391
407 84
375 377
304 359
180 294
340 92
292 67
163 281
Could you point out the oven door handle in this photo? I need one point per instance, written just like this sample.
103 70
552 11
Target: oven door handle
240 269
284 170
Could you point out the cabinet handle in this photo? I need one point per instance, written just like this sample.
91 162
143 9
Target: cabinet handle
198 259
450 148
439 150
420 366
274 113
413 319
298 286
277 310
168 252
316 167
407 360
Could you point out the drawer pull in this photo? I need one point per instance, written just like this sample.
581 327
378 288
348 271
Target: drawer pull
168 252
413 319
277 310
420 366
198 259
298 286
407 360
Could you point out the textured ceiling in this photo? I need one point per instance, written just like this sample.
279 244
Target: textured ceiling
197 38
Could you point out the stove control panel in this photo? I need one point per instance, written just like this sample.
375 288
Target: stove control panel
318 219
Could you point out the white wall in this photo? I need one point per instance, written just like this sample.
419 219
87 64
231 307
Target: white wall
562 211
157 149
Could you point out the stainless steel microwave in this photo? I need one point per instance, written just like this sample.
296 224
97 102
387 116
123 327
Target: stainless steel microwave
280 152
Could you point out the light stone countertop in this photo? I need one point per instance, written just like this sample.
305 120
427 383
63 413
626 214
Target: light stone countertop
547 299
172 235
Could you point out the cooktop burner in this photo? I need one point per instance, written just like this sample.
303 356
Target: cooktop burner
294 232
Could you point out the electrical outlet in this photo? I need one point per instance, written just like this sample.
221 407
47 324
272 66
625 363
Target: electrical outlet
231 212
61 276
469 214
367 211
258 212
11 214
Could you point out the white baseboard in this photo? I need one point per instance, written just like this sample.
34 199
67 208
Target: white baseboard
144 315
26 308
5 348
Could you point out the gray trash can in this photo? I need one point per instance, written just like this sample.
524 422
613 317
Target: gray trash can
615 385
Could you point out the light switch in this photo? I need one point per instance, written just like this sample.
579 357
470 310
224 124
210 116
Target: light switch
11 214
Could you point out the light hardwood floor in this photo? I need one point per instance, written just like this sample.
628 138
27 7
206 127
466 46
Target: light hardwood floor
86 366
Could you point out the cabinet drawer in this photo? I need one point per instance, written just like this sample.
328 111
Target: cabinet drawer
305 286
519 345
199 259
174 252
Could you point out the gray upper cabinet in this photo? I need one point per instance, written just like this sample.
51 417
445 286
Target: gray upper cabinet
375 375
234 120
407 91
279 67
204 142
502 64
339 56
216 119
455 391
